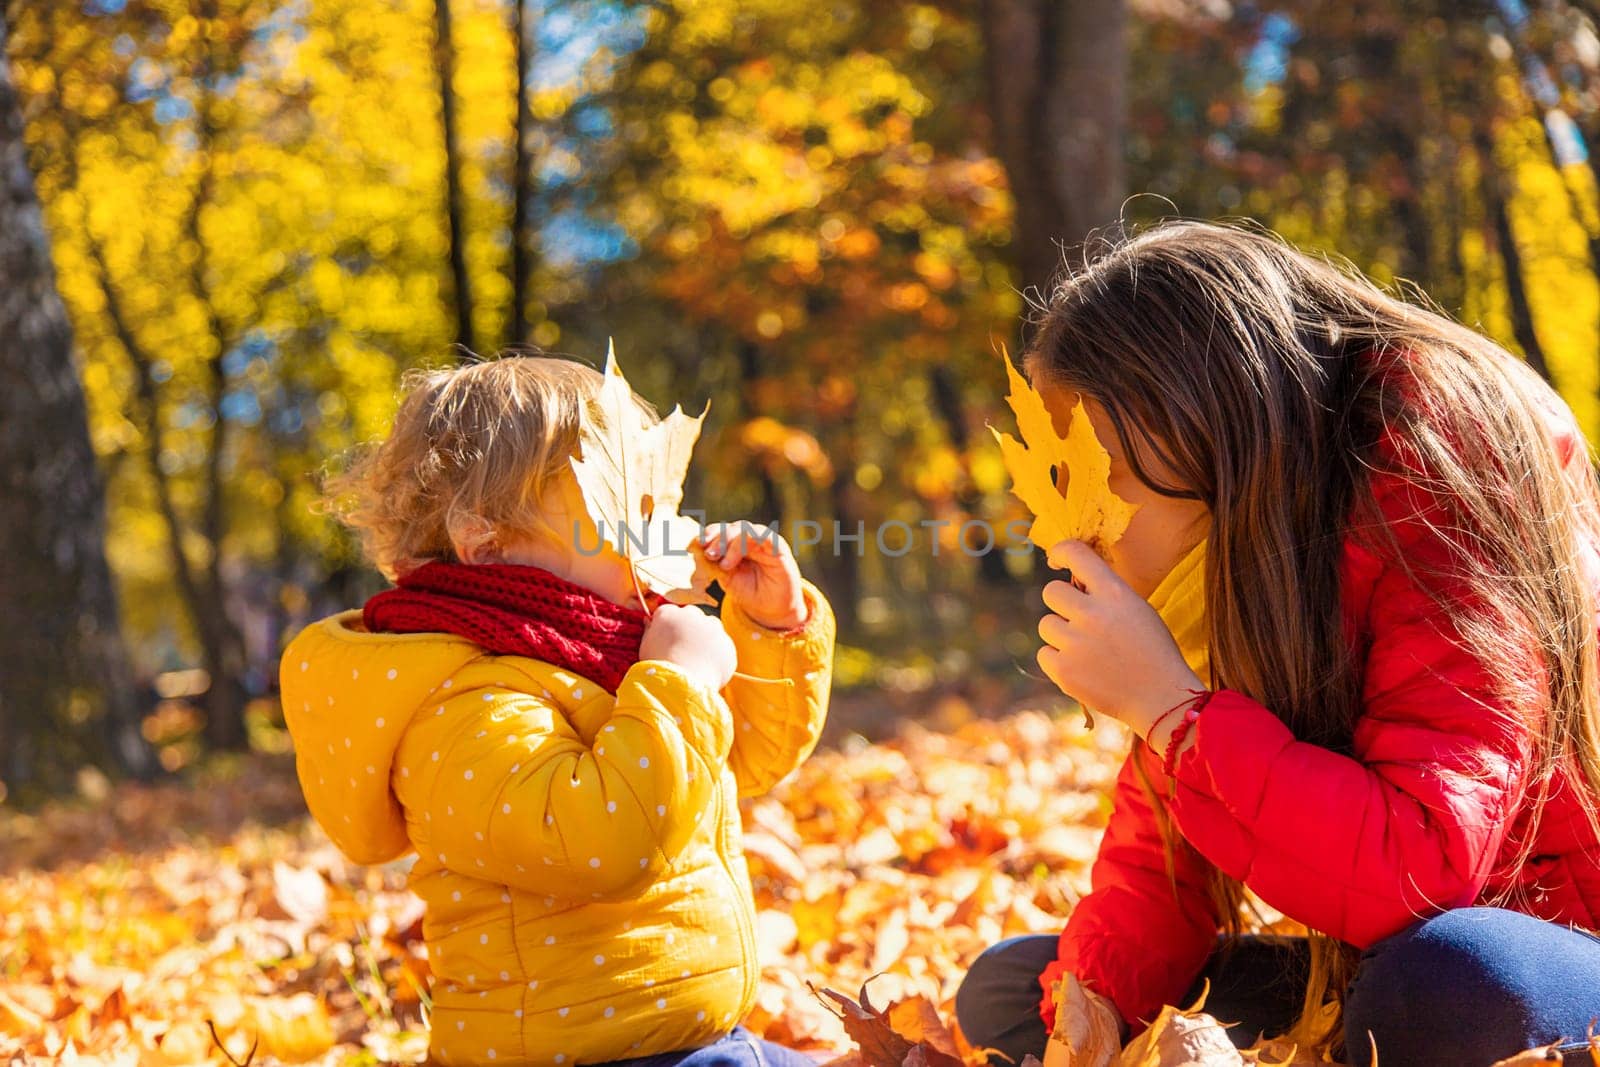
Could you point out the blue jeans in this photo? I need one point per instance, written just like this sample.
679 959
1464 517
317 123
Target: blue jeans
1462 989
739 1049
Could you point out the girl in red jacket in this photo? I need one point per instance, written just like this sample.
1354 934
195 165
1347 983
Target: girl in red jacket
1379 710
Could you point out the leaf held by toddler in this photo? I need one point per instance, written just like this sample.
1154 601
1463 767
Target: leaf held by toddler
630 472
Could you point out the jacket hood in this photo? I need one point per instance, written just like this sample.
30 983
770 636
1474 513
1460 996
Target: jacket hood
348 695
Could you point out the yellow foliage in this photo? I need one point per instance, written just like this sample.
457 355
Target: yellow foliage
1563 292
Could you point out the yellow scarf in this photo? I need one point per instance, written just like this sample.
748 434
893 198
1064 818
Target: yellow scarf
1180 600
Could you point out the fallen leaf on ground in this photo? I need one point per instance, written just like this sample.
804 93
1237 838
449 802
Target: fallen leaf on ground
917 1020
302 894
906 1034
124 925
1183 1038
1086 1024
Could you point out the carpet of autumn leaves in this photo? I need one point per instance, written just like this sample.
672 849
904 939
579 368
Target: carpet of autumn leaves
206 920
133 918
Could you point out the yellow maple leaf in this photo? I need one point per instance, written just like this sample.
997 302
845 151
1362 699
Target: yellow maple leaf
630 471
1085 508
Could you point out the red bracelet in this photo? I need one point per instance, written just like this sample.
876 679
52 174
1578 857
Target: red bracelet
1163 716
1194 694
1196 704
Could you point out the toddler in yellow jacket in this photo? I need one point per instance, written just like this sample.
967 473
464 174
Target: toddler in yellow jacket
566 767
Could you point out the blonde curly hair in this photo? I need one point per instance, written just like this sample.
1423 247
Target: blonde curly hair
472 452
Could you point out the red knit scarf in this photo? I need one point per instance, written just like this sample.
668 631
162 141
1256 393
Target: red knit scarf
515 610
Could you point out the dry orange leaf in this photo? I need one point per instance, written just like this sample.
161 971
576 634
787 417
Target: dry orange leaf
778 857
917 1020
972 839
892 941
898 1037
24 1009
292 1029
875 1039
1084 508
187 1042
302 894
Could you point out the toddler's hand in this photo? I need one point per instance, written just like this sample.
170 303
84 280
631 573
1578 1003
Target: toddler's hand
756 568
692 640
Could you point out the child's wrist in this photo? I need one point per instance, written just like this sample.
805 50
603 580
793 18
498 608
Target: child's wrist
792 617
1173 733
786 614
1161 704
695 668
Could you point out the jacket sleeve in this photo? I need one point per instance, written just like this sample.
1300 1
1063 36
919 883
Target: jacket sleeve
498 785
779 709
1144 930
1360 846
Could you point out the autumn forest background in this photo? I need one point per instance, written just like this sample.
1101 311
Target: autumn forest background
824 218
227 227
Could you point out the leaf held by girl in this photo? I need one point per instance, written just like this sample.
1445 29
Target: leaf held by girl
630 472
1084 508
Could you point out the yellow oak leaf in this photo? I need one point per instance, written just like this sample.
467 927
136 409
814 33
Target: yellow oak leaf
1084 508
630 470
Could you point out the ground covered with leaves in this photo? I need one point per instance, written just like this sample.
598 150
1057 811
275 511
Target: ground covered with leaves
134 919
196 922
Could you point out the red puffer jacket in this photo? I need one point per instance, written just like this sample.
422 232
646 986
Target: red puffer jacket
1430 814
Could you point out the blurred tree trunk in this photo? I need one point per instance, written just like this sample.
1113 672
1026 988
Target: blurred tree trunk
951 409
522 183
220 639
1057 78
63 643
1534 71
1449 287
770 506
444 58
221 649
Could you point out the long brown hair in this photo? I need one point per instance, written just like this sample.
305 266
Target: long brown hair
1263 377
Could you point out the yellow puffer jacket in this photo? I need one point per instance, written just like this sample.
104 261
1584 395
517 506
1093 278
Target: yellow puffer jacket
579 854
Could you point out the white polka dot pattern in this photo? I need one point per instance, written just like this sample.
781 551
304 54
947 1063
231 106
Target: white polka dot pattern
534 837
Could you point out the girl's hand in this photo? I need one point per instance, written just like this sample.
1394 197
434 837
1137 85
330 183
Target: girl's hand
757 569
1106 646
692 640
